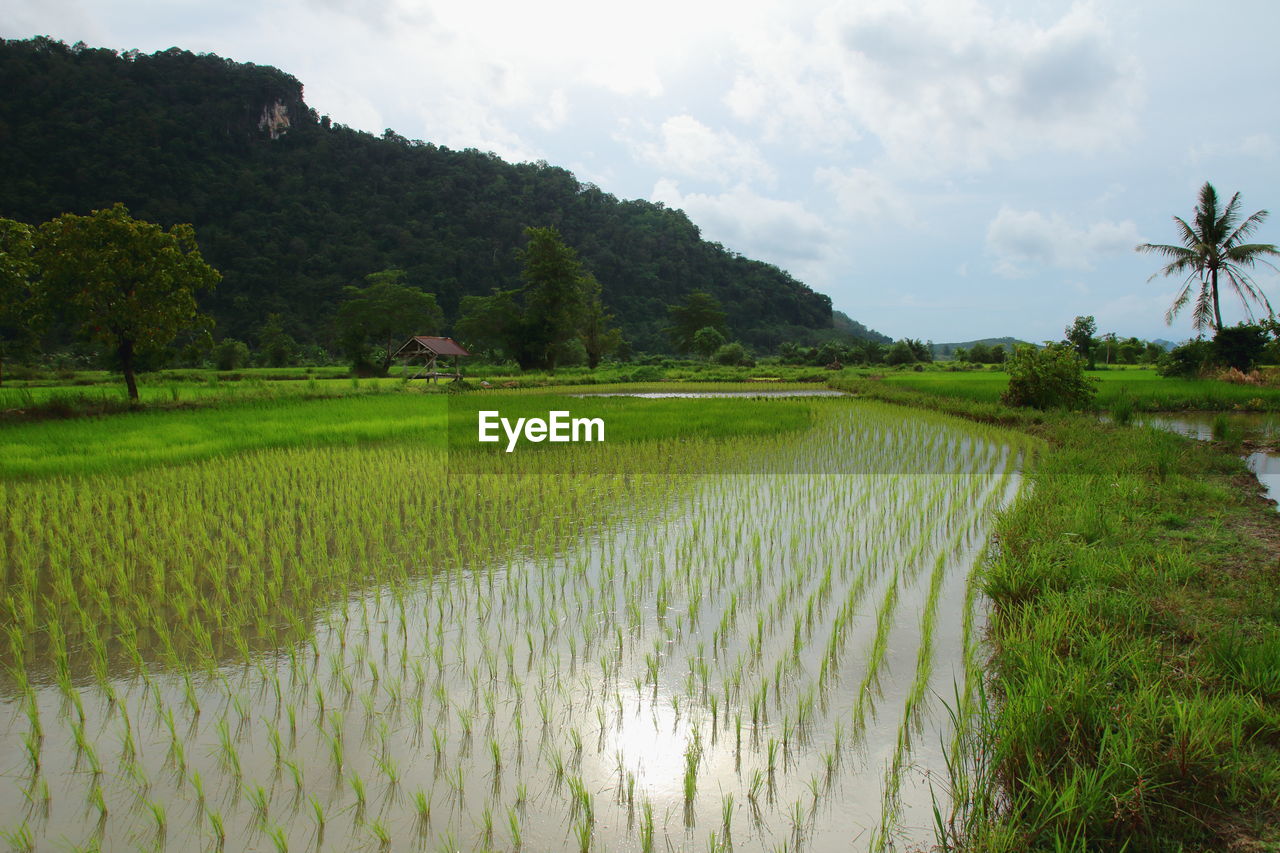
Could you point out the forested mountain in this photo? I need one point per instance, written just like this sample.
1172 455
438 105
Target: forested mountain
291 207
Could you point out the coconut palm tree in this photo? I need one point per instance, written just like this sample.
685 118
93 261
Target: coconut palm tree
1214 244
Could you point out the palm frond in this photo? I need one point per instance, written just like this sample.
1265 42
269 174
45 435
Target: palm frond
1249 254
1247 290
1187 234
1182 258
1178 302
1202 310
1225 223
1246 228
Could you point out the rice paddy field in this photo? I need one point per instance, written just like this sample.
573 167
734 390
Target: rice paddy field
746 624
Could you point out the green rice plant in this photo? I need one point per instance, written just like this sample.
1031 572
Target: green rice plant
279 839
513 827
381 834
19 839
218 830
357 788
646 827
692 758
295 774
585 833
161 819
258 799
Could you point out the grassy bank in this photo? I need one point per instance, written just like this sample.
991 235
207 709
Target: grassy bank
1136 637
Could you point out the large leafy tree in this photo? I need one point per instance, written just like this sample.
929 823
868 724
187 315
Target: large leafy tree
1213 245
598 334
127 284
384 314
699 310
558 302
1080 335
555 295
19 309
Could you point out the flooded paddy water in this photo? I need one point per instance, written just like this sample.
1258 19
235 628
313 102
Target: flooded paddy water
759 658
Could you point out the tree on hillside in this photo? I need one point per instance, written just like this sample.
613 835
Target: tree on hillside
1080 336
384 314
555 311
1213 244
698 310
127 284
555 295
598 335
19 309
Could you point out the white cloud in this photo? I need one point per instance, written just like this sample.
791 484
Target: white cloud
866 197
1019 239
690 148
557 110
941 82
781 231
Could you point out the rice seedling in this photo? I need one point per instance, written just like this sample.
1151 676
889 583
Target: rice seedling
218 830
380 833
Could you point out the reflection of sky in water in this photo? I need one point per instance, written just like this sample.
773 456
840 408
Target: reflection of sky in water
1266 466
650 741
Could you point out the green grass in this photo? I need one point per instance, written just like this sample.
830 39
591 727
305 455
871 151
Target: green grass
1145 389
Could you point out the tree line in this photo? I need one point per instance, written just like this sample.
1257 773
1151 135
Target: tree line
128 287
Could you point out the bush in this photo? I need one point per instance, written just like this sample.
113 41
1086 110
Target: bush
1048 378
230 354
1240 346
1187 361
900 353
733 354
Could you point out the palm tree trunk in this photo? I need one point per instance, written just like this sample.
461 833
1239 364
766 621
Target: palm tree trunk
1217 312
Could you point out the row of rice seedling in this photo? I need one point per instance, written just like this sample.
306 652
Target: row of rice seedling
375 647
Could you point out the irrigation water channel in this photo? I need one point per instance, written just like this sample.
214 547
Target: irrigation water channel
767 660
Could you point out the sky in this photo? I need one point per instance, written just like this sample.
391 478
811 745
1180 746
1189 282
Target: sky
943 169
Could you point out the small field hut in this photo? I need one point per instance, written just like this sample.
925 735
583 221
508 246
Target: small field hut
428 350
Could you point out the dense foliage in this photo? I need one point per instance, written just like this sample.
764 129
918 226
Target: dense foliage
1048 378
126 285
293 213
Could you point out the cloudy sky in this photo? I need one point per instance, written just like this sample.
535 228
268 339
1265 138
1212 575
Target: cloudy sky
943 169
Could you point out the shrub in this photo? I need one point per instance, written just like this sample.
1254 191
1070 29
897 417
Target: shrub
1187 361
1240 346
230 354
1048 378
733 354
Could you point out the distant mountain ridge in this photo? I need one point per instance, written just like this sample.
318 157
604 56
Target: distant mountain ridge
291 207
947 350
